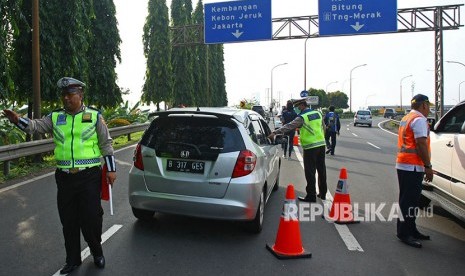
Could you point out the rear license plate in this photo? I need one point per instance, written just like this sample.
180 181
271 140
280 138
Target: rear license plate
185 166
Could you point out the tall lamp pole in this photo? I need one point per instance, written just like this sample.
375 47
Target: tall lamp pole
305 64
350 81
401 89
271 90
329 85
459 89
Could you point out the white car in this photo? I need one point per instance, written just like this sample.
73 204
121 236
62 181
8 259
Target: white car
363 117
448 159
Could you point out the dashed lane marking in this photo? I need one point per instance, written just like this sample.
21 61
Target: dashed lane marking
105 236
373 145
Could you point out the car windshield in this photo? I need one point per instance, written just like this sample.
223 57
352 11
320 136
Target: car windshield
363 112
204 137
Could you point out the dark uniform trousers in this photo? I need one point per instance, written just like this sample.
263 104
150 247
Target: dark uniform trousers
80 209
409 195
330 137
314 160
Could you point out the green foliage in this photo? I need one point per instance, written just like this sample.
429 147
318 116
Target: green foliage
201 62
157 49
131 114
102 89
338 99
182 57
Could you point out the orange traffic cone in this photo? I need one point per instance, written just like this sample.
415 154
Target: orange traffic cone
341 210
288 243
296 140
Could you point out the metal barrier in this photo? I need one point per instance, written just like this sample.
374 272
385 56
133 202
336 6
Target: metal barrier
11 152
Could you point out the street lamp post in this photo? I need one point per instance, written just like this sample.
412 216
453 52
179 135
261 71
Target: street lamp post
453 61
401 89
305 64
350 81
329 85
271 89
459 89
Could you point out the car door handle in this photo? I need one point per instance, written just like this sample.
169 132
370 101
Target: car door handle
449 144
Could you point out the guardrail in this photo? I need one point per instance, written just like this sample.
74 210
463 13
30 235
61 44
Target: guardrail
11 152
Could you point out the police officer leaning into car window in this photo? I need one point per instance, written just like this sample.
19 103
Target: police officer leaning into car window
311 125
81 137
413 164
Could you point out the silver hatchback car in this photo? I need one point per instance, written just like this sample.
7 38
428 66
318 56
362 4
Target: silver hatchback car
205 162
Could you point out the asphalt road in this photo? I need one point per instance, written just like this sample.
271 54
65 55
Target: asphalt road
31 241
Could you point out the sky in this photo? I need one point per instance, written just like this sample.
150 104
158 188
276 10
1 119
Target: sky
390 58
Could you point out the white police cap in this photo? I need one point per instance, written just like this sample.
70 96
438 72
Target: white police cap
69 82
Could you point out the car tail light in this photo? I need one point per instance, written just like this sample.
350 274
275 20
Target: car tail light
245 163
138 158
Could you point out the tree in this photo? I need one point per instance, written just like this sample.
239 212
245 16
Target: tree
200 64
218 79
10 18
102 89
157 51
338 99
182 57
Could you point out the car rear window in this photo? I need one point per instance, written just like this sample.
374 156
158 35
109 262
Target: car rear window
363 112
204 138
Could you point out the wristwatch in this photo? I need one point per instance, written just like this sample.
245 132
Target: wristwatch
428 166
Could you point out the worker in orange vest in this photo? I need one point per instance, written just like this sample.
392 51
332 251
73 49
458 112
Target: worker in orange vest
413 164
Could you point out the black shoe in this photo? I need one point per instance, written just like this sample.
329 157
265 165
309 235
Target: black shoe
322 197
422 237
307 199
332 153
328 151
68 268
99 261
410 241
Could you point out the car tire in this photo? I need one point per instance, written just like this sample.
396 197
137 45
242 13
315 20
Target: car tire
369 125
355 124
145 215
256 225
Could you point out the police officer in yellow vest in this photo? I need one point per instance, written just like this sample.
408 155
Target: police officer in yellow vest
312 138
81 137
413 164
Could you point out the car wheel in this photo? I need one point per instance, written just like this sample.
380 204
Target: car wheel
143 214
256 225
276 184
369 125
355 124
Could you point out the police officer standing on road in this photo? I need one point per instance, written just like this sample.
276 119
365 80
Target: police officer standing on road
413 164
333 126
311 125
81 137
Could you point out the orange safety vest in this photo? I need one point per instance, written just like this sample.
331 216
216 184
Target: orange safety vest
406 144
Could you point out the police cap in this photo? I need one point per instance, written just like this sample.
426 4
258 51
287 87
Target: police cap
418 98
66 82
297 102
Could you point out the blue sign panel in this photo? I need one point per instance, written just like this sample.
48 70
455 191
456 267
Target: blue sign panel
237 21
351 17
304 93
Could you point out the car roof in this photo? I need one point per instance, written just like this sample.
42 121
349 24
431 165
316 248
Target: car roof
239 114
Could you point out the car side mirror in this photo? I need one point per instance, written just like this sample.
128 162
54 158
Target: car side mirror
431 122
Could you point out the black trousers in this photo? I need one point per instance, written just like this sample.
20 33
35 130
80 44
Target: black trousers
289 144
409 195
314 160
330 138
80 209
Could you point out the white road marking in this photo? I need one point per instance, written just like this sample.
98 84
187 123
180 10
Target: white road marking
390 132
373 145
349 239
105 236
354 134
344 232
